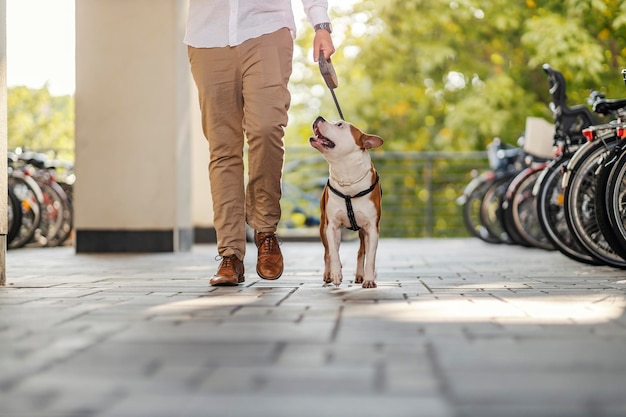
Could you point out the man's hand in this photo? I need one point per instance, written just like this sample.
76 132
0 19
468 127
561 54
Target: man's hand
322 43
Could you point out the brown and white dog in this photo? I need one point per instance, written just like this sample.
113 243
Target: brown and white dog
351 198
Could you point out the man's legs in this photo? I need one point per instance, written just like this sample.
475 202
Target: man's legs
218 78
266 68
246 83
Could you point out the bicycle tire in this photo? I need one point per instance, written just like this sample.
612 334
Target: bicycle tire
491 208
604 184
66 227
507 203
55 215
14 217
473 195
522 210
616 195
64 191
550 212
31 199
580 204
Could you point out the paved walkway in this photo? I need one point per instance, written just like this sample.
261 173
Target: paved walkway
456 328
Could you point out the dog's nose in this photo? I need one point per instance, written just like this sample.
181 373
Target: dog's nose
319 119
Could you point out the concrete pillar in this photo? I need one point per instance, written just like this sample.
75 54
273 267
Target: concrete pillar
133 140
3 142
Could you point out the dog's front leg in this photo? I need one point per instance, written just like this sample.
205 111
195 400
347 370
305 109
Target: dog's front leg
330 235
360 259
371 245
332 261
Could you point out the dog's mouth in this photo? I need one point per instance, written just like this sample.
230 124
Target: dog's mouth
320 139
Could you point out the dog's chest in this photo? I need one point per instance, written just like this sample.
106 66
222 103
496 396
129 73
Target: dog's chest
363 209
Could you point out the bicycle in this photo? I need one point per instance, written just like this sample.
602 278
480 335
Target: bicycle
30 196
480 200
568 137
580 187
45 208
609 197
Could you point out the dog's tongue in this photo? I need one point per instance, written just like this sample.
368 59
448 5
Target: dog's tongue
321 139
325 141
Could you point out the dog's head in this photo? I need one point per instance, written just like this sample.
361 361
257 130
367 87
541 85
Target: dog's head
341 138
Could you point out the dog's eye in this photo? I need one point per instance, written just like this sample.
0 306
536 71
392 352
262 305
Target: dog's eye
340 124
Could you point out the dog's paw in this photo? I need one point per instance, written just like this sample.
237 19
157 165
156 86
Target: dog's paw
327 278
358 279
336 278
369 284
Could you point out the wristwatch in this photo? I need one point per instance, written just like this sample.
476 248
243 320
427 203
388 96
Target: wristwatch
325 25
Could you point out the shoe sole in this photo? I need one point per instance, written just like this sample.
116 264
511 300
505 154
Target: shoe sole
228 284
269 278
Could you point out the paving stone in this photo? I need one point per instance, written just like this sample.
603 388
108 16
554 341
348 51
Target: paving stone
456 328
263 405
550 387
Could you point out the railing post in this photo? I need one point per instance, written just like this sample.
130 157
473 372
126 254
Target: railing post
428 183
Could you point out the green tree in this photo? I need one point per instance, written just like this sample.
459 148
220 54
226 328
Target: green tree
40 122
451 75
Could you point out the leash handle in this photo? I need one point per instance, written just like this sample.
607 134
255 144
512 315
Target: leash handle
330 77
328 71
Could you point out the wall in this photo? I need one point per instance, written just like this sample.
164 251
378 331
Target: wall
133 134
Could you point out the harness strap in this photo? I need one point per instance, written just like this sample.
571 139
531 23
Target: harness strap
353 225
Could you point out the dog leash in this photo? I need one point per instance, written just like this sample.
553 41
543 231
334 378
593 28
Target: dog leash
330 77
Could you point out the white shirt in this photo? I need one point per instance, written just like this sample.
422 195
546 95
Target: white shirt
218 23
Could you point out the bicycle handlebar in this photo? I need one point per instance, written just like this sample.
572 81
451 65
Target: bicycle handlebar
602 105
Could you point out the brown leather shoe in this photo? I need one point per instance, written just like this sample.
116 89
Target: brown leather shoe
270 260
230 272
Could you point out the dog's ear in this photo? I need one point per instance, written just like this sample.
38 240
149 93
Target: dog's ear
371 141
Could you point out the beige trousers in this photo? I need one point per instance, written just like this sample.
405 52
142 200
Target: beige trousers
243 94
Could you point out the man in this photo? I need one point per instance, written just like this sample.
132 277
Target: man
241 54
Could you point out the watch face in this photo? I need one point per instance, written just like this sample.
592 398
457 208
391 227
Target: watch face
325 26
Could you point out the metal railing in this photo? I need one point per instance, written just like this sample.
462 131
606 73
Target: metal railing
420 190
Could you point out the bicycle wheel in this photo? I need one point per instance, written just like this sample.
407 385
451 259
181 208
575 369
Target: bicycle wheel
505 219
551 215
14 211
471 202
66 225
64 189
31 199
580 204
616 197
491 208
604 178
56 215
521 212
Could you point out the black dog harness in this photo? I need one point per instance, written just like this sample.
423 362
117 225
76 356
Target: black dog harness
353 225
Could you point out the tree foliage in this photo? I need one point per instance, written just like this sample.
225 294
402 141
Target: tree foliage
450 75
41 122
427 75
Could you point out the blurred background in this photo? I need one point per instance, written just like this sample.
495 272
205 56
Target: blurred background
437 79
